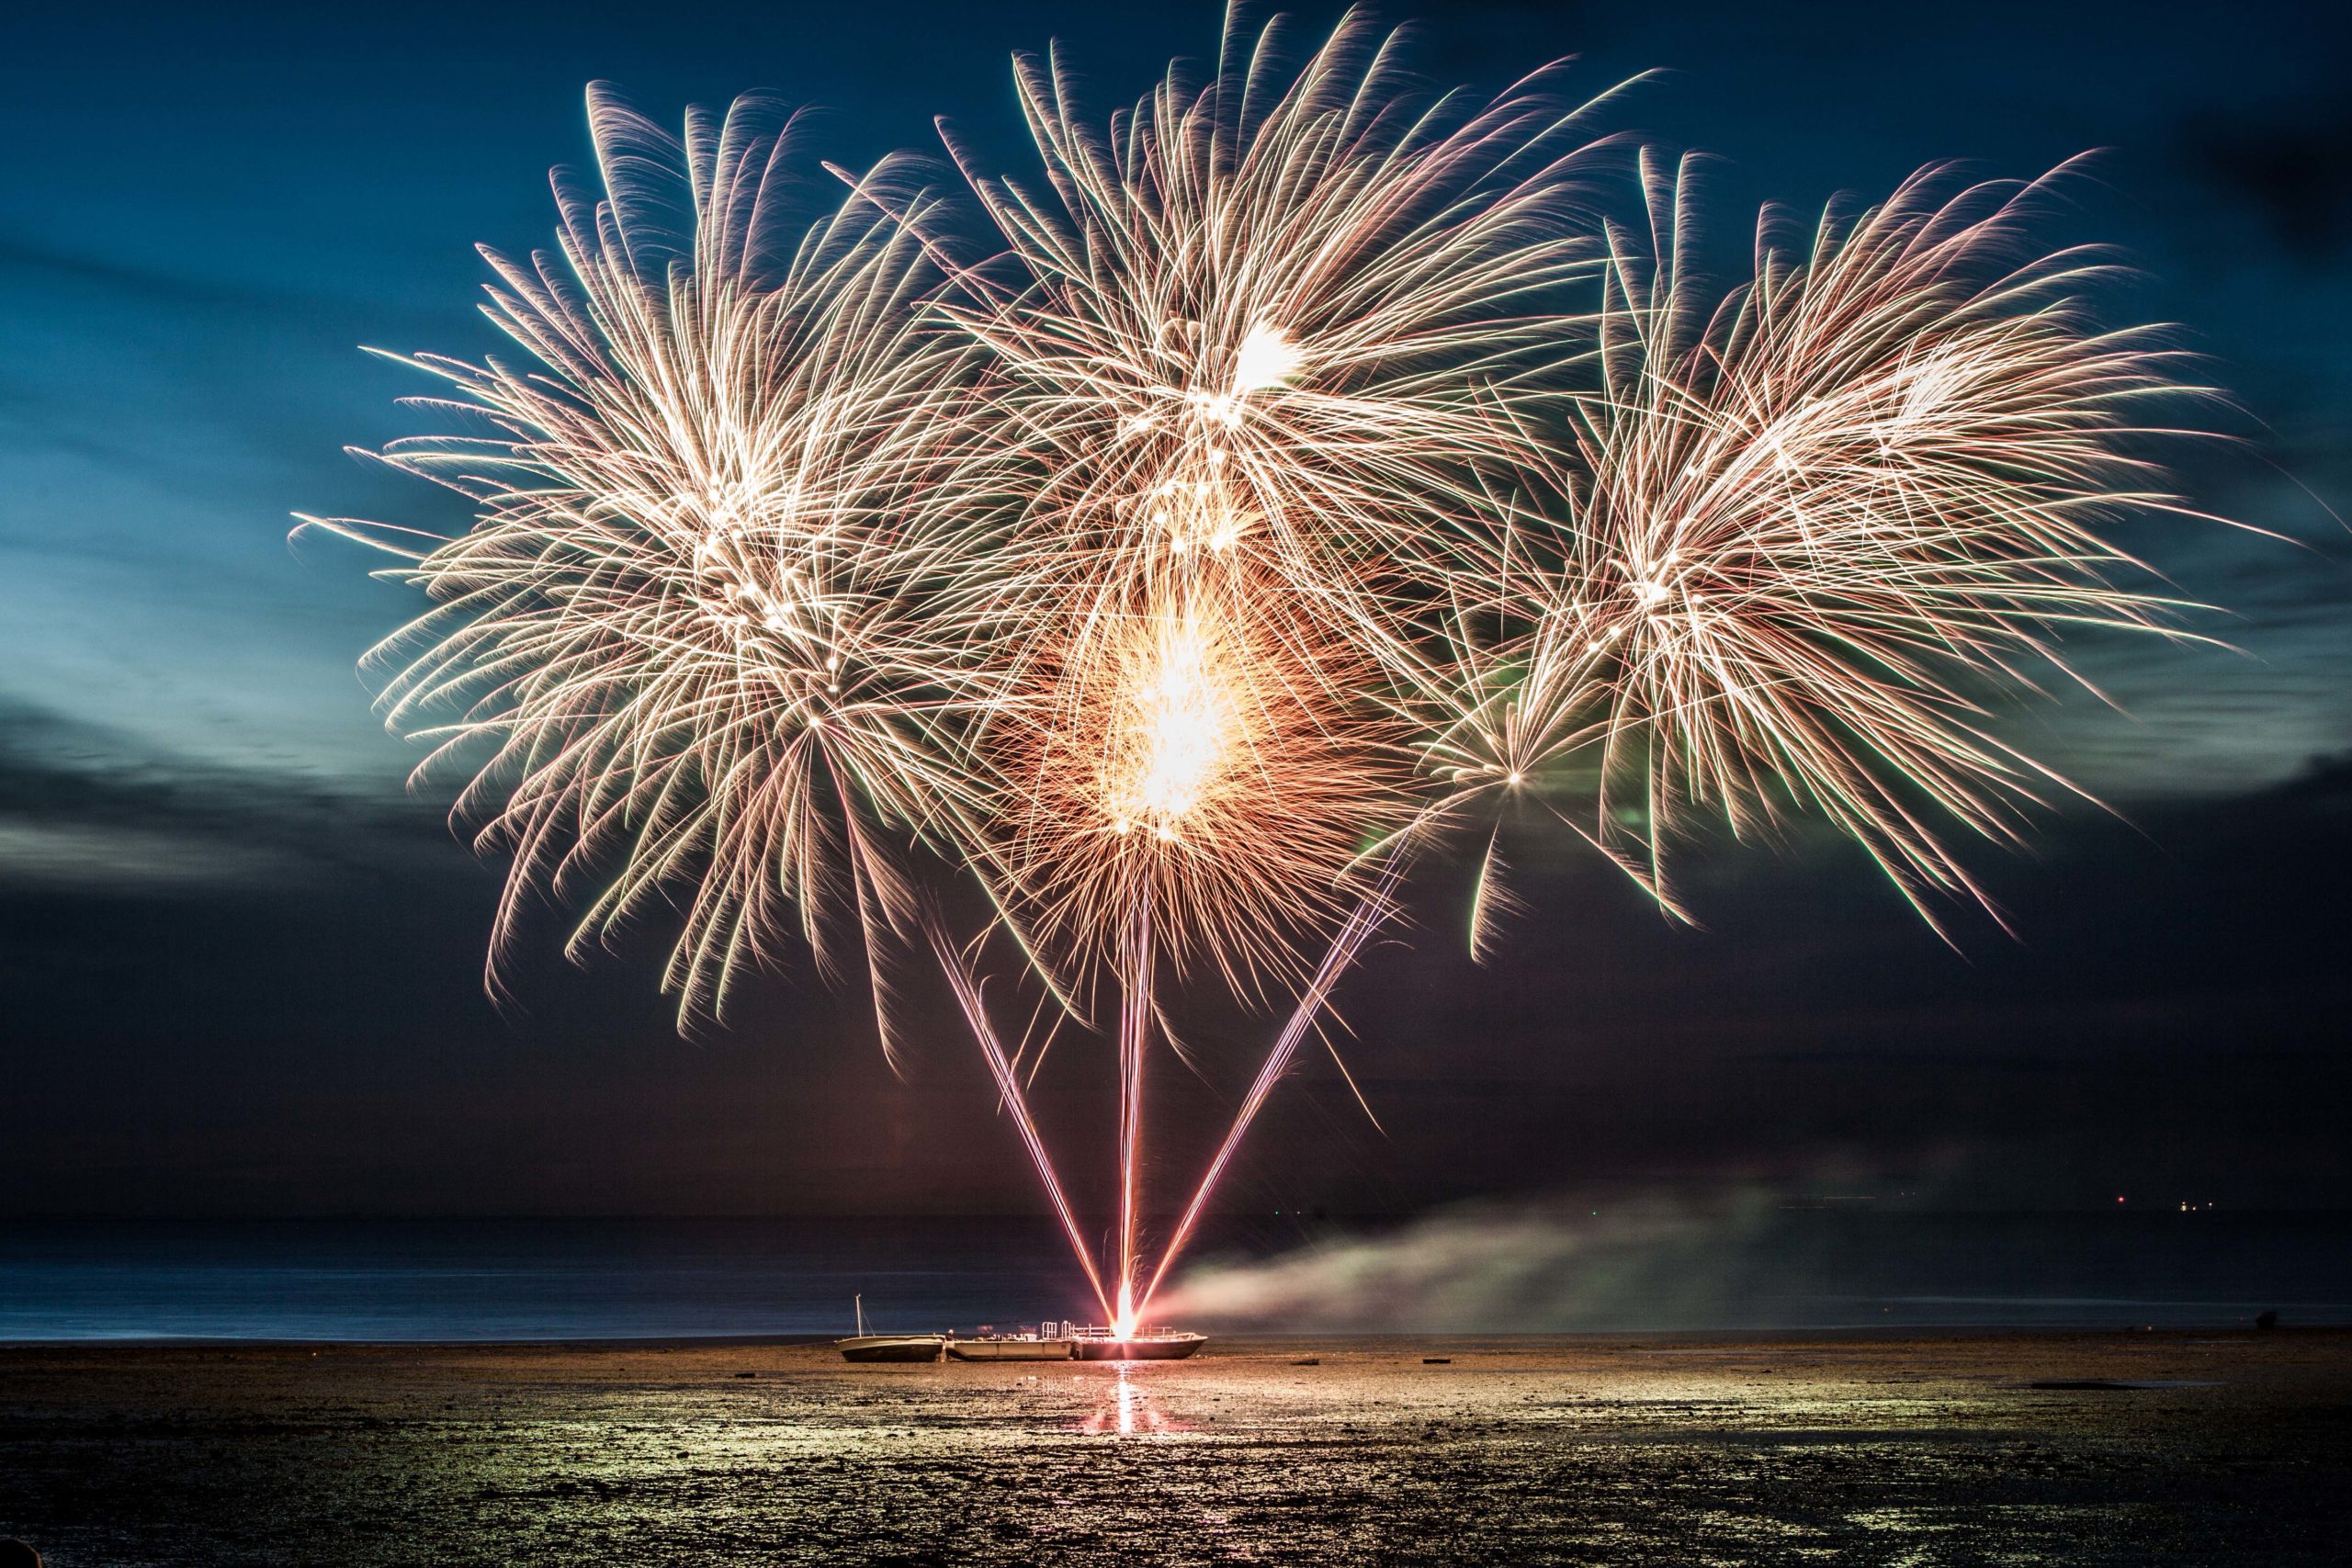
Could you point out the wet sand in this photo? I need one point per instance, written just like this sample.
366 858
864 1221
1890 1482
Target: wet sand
2222 1448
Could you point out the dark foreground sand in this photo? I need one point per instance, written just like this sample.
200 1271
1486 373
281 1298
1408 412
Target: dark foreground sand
2225 1448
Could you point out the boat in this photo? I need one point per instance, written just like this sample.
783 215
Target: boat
1142 1345
1034 1343
1009 1347
892 1347
864 1346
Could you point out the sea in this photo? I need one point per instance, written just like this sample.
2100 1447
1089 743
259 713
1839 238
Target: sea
484 1279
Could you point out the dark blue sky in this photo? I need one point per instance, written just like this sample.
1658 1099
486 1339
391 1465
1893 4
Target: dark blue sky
226 928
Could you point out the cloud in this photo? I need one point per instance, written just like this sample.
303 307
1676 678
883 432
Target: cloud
84 808
184 292
49 854
176 290
2288 167
229 388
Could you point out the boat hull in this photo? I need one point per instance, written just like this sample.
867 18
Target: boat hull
1154 1347
1009 1349
892 1348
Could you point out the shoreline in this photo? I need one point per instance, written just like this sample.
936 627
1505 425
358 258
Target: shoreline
1595 1337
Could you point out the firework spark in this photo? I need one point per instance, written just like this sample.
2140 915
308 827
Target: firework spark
708 635
1284 314
1184 766
1183 785
1805 533
1260 349
1237 531
1819 523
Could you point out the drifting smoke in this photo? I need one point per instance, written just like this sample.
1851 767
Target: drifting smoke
1552 1268
1764 1258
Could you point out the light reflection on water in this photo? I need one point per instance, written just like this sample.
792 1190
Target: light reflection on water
1126 1408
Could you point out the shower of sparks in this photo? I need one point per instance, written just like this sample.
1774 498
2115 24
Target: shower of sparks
1819 525
710 633
1188 787
1184 765
1266 347
1314 467
1304 317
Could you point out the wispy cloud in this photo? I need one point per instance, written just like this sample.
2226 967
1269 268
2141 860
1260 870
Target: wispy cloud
88 808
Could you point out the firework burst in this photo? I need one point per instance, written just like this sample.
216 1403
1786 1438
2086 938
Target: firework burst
708 638
1817 524
1183 766
1311 468
1286 313
1259 345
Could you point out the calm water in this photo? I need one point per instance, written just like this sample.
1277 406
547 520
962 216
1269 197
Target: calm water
495 1279
597 1279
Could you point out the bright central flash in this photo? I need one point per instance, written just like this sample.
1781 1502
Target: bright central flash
1266 359
1123 1325
1175 733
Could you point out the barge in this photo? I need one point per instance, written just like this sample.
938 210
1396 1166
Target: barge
1136 1344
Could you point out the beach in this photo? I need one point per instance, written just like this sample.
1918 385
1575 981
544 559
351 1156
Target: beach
2220 1448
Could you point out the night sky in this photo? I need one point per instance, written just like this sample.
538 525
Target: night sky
240 965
